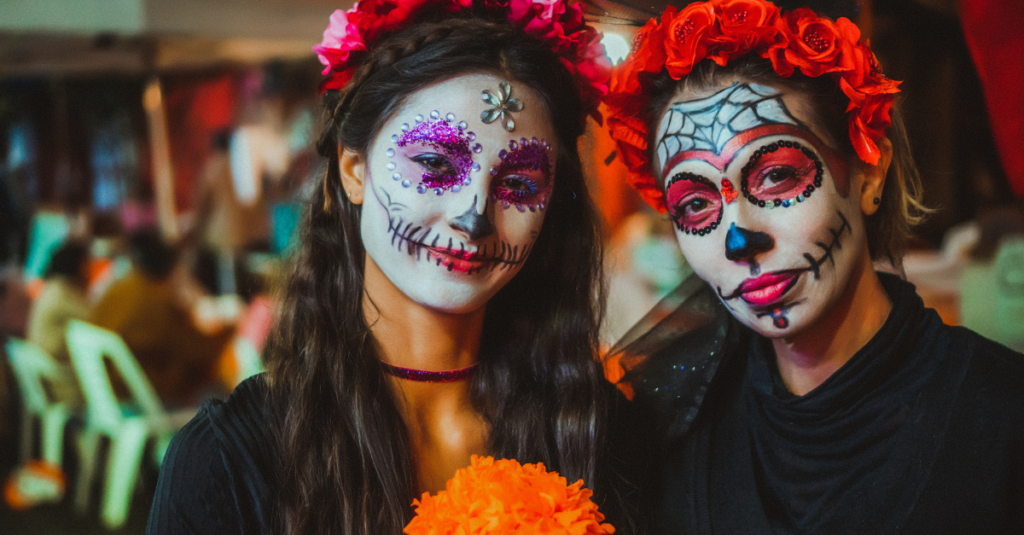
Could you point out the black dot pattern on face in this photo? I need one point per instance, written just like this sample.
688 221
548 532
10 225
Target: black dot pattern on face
780 203
701 231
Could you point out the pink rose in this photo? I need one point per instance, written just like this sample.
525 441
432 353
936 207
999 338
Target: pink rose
340 38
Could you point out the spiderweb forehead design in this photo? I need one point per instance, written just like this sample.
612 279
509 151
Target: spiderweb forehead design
707 124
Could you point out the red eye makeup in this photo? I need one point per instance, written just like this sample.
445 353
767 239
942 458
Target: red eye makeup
694 203
781 174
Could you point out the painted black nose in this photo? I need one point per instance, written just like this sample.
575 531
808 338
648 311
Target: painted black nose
742 244
475 225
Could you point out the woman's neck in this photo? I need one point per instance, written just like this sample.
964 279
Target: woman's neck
411 335
444 427
812 356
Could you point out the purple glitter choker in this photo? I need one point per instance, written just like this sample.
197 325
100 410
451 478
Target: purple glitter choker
424 376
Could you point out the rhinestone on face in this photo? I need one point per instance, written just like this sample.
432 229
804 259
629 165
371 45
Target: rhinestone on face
421 189
419 118
513 145
462 124
406 183
435 114
502 154
478 148
394 138
476 166
391 153
391 166
438 192
405 127
471 136
396 176
450 117
494 171
456 188
467 181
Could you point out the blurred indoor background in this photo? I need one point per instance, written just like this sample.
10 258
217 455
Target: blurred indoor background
154 155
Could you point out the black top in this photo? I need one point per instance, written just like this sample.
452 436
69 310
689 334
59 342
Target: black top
217 476
922 431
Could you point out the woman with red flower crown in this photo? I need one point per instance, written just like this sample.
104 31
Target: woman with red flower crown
444 303
801 391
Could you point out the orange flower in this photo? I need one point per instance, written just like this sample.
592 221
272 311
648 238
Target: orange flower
504 497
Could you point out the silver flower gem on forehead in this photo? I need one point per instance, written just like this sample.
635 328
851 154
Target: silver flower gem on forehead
502 106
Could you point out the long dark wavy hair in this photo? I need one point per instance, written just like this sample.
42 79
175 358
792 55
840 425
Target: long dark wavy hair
345 465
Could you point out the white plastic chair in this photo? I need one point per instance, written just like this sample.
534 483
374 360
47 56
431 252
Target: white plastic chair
32 367
128 426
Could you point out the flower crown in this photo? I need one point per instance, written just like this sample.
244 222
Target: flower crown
723 30
577 44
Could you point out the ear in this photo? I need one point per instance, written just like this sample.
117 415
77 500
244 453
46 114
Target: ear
352 168
873 178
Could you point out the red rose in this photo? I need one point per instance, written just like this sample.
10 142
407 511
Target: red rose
745 25
647 56
688 37
814 42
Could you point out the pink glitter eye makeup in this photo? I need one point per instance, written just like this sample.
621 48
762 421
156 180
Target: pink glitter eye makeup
523 179
781 174
694 203
448 165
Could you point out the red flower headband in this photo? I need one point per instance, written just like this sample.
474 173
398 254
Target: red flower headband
722 30
558 24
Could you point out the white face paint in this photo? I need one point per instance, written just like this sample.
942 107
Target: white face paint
454 205
761 205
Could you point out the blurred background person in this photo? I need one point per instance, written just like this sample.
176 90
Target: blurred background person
149 309
63 299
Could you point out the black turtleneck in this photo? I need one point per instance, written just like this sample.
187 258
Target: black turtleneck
922 431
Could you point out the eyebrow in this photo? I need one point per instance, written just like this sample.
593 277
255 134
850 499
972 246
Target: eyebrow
709 124
723 159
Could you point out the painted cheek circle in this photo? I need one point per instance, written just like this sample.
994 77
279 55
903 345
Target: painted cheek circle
522 156
781 174
449 139
696 205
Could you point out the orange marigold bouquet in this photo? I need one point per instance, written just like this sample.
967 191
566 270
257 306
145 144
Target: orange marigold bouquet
492 497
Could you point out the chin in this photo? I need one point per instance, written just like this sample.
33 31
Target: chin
451 298
777 326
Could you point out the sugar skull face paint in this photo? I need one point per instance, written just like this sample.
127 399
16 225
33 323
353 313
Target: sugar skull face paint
438 178
778 258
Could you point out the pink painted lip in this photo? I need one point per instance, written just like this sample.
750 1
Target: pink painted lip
768 288
458 261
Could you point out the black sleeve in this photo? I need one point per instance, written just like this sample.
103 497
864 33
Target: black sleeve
192 495
625 479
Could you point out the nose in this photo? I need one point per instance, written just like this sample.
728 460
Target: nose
745 245
474 225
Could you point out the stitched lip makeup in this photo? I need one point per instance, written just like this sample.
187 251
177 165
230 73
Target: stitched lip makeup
768 288
458 261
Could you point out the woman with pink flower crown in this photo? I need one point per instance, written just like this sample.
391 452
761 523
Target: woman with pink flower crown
799 390
445 301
